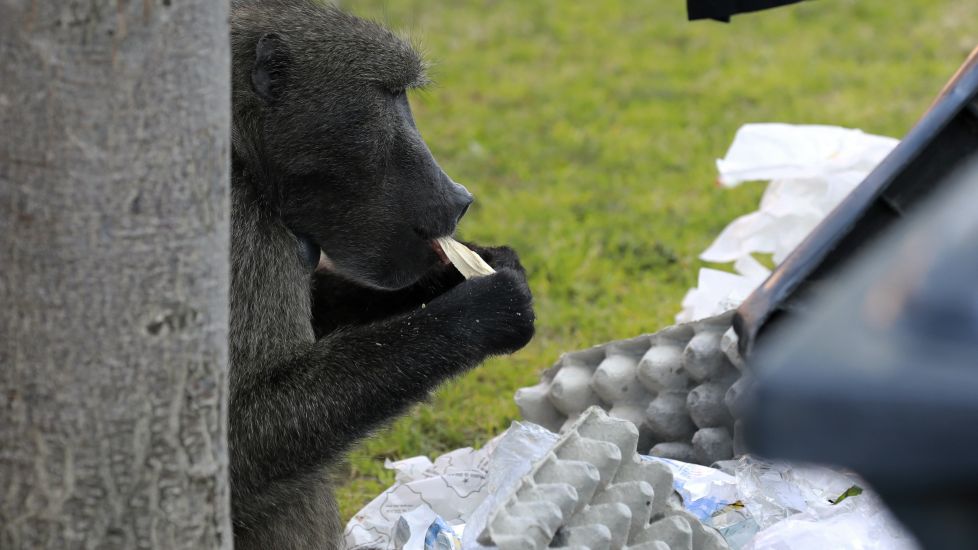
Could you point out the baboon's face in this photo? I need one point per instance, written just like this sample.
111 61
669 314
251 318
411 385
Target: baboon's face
351 171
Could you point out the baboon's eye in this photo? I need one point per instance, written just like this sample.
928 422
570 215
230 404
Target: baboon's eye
397 92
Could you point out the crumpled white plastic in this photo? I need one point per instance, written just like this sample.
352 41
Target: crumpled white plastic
792 504
773 491
772 151
857 523
811 169
704 490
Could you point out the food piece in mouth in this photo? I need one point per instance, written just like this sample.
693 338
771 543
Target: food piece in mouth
468 263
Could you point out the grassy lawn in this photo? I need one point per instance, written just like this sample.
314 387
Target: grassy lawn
588 131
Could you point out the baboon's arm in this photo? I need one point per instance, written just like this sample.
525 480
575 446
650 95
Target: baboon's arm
305 410
338 302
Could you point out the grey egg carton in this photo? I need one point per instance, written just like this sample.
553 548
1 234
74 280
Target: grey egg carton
592 491
681 387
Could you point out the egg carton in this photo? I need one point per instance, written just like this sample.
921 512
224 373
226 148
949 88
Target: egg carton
682 387
592 491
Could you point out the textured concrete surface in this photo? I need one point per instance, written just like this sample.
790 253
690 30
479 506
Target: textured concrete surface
681 387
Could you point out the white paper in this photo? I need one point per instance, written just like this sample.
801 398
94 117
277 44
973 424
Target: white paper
451 487
456 488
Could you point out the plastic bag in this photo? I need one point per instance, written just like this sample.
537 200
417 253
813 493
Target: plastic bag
772 151
798 507
773 491
811 169
857 523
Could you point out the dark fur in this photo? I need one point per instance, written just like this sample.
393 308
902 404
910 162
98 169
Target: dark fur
326 155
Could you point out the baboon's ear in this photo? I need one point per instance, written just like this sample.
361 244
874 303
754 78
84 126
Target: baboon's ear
271 67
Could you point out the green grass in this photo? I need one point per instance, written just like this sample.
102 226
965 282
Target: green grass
588 131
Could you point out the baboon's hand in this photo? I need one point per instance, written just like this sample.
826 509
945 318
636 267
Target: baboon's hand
499 257
497 311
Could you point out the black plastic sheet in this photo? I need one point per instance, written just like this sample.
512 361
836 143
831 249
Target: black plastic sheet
722 10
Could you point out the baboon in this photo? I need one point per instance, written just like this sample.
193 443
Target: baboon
343 310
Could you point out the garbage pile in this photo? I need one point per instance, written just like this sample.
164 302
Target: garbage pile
587 488
658 470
